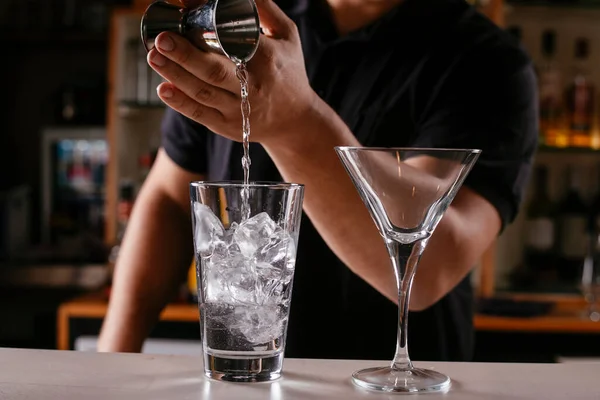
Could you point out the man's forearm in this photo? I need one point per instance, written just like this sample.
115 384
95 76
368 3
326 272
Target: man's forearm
331 201
153 259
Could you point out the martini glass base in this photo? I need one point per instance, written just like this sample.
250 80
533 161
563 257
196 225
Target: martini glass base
404 381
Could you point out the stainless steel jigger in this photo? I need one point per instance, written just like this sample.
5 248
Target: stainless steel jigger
228 27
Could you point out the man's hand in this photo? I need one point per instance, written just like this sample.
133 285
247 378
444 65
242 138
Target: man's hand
203 85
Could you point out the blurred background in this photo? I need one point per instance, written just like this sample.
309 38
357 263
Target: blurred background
80 127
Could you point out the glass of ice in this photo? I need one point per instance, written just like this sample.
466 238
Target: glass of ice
245 239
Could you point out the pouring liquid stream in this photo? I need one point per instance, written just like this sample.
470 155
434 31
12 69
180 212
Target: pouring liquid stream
242 74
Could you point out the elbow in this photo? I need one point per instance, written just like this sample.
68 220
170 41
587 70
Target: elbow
437 276
466 231
425 293
444 264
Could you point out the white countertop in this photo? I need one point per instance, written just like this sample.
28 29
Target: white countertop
53 375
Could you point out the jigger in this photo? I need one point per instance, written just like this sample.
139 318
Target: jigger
228 27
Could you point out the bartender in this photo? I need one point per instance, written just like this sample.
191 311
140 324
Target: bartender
393 73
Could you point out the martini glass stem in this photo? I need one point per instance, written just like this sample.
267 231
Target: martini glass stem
404 258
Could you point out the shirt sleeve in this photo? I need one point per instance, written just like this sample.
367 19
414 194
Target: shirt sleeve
185 142
491 107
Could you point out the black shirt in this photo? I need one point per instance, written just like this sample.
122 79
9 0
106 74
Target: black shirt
430 73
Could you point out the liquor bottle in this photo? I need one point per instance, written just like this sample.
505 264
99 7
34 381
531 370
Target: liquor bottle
552 127
539 255
580 98
573 220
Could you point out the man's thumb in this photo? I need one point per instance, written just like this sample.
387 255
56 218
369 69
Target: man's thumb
273 20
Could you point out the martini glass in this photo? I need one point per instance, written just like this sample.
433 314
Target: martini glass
407 191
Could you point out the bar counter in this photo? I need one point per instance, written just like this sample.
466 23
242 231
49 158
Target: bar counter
68 375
